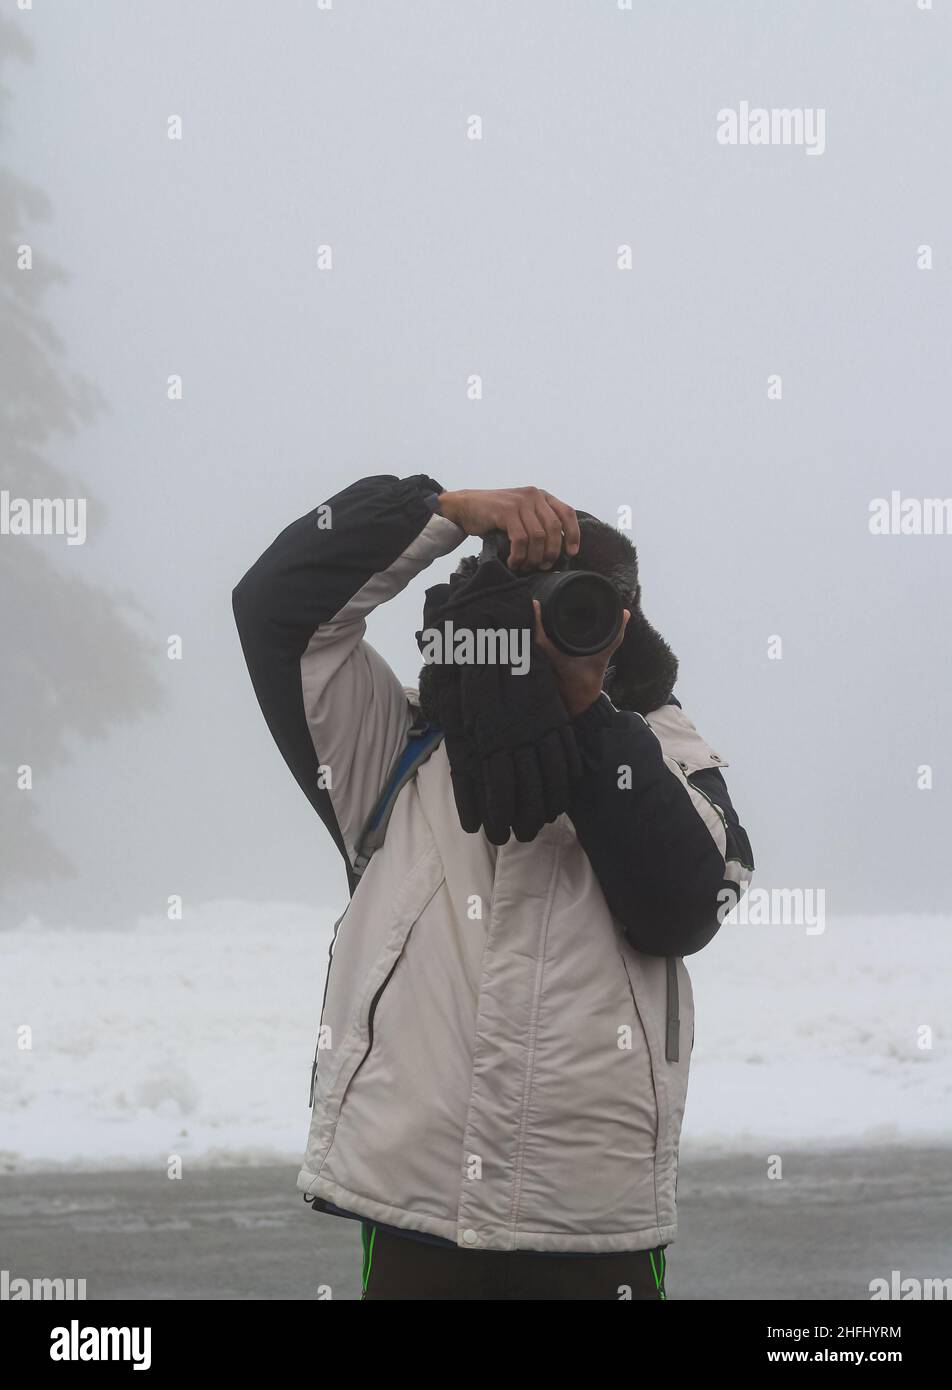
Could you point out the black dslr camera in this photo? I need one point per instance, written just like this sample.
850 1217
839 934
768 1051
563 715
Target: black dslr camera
582 611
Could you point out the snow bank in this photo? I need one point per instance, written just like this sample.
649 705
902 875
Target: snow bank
196 1037
817 1040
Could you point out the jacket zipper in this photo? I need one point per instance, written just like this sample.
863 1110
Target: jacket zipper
370 1032
327 980
370 1020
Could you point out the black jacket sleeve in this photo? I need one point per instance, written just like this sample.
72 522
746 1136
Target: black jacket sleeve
328 698
668 849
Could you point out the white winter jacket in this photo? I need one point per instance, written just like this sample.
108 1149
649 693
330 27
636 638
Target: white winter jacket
506 1032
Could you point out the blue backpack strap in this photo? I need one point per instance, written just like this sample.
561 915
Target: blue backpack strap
422 738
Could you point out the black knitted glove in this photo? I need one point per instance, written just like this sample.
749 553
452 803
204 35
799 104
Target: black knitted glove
514 757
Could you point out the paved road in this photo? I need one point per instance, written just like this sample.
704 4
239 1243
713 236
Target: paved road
831 1225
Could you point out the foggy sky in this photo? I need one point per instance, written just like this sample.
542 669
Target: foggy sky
645 388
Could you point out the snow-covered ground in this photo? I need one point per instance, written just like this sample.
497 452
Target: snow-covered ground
196 1037
825 1040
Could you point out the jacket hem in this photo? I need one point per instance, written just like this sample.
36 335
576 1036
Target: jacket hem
497 1237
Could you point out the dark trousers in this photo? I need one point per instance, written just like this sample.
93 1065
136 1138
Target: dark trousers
400 1267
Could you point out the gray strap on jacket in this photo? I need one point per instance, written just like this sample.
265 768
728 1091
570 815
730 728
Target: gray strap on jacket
672 1041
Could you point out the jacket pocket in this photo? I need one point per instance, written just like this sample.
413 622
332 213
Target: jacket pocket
327 981
406 907
654 1057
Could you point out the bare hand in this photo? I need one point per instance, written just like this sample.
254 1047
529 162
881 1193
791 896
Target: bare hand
533 519
580 678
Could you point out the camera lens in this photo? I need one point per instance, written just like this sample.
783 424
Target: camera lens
581 612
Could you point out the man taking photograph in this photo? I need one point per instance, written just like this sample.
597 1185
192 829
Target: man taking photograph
503 1057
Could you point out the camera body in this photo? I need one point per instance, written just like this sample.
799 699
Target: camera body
581 611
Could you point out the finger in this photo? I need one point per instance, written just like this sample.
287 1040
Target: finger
518 541
626 617
555 774
529 814
499 795
535 532
569 522
552 524
540 637
467 801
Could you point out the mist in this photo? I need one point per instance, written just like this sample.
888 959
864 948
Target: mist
813 651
